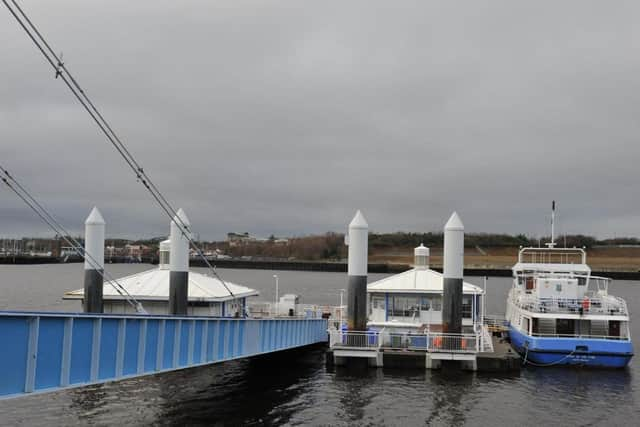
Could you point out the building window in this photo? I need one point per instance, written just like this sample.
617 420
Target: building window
436 303
405 306
377 302
466 307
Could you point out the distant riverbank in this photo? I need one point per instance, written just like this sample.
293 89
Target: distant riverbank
388 268
337 267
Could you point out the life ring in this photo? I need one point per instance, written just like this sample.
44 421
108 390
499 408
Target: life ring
437 342
586 303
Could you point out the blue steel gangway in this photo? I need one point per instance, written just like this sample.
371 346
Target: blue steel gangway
48 351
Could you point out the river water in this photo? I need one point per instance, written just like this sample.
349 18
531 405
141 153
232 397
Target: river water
297 389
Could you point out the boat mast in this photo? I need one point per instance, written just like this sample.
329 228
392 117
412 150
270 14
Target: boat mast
553 217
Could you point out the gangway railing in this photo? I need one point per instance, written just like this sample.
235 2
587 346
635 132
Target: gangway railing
486 342
496 323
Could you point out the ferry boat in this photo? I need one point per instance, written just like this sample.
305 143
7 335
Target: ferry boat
559 314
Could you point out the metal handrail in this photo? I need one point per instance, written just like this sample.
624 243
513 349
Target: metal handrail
582 336
428 341
437 342
487 342
267 309
596 304
354 339
533 253
495 320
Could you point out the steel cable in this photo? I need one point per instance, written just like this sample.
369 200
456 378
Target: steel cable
40 210
73 85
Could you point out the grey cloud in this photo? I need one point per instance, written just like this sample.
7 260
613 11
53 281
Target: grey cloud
286 117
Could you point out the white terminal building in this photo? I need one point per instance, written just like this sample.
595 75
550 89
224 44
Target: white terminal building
207 296
412 301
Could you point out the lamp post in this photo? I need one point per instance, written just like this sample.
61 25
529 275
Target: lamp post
342 291
275 276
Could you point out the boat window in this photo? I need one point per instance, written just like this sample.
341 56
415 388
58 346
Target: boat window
534 325
436 303
565 327
530 283
582 281
525 324
614 328
425 304
558 287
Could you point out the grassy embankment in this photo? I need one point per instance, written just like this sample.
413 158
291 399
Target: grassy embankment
599 259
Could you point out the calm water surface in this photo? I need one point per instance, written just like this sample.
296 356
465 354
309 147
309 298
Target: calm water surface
296 388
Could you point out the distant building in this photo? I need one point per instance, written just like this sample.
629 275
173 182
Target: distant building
239 237
235 239
66 251
41 247
112 251
135 251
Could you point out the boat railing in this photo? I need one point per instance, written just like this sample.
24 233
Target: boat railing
583 336
434 342
590 304
558 275
552 255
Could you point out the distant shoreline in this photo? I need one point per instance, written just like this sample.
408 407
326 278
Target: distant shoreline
321 266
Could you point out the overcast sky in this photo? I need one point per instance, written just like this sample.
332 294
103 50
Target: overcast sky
286 117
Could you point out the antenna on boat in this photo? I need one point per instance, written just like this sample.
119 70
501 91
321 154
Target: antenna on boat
553 217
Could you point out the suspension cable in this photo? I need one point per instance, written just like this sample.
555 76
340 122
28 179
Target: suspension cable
72 84
42 212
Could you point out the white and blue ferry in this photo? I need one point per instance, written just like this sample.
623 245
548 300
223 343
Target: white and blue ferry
559 314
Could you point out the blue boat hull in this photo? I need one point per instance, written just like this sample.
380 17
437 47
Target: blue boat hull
597 353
